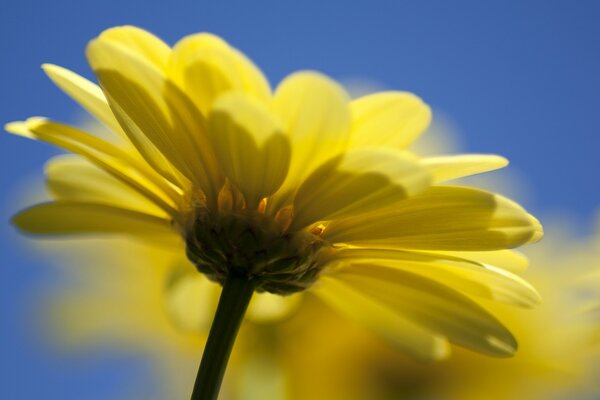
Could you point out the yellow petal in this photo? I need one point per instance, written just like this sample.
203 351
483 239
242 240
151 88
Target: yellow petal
510 260
446 168
392 119
434 306
205 66
71 178
154 113
315 114
357 182
87 94
442 218
146 121
190 299
266 307
393 326
462 275
105 156
139 41
65 218
250 145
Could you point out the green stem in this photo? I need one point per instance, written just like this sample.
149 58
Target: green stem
236 294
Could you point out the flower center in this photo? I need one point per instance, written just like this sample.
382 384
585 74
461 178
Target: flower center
253 245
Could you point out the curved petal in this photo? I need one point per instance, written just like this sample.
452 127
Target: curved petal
139 41
250 145
66 218
205 66
155 113
433 306
190 299
87 94
315 115
393 119
105 156
445 168
72 178
510 260
442 218
466 276
392 325
357 182
267 307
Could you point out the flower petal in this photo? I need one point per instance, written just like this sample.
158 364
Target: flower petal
466 276
315 114
205 66
105 156
190 299
393 326
65 218
267 307
433 306
357 182
139 41
510 260
87 94
446 168
155 113
250 145
442 218
392 119
72 178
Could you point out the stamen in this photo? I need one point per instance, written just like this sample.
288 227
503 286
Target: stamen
317 230
262 205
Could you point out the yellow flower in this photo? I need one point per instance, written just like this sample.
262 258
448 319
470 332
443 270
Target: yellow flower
292 189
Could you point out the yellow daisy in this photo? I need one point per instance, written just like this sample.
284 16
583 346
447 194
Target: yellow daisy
279 190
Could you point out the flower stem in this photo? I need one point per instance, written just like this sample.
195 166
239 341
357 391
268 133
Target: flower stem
236 294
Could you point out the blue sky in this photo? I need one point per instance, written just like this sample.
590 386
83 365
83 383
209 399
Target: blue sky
517 78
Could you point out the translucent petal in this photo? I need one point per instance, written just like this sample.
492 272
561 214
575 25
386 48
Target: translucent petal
442 218
357 182
266 307
510 260
87 94
446 168
433 306
65 218
104 155
153 111
466 276
205 67
392 119
250 145
139 41
315 114
393 326
190 299
71 178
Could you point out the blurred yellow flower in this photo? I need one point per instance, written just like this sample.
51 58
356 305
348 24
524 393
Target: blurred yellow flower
558 358
286 190
110 302
344 360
